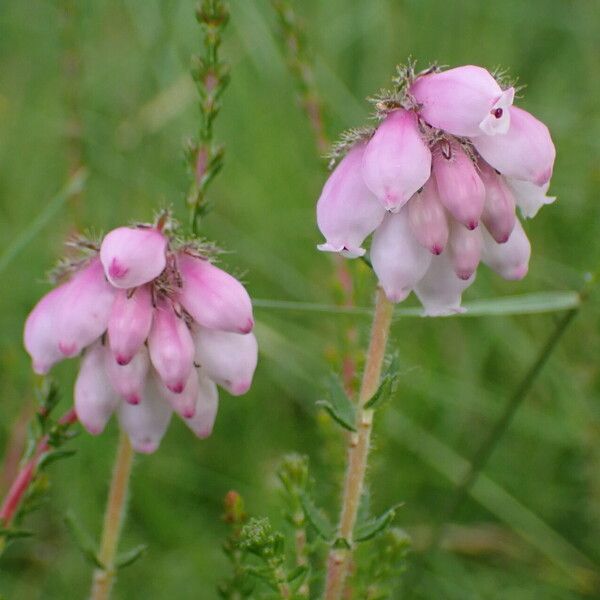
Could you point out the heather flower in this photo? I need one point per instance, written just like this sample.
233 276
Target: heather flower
450 161
159 326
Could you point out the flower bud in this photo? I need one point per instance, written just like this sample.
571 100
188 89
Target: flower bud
347 211
133 256
129 380
95 399
427 218
214 298
229 359
171 347
459 187
509 260
84 310
397 162
440 290
499 210
184 403
399 261
207 405
529 197
145 423
465 250
525 152
129 323
465 101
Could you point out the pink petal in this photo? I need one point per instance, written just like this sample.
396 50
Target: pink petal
525 152
133 256
227 358
207 405
427 218
499 210
509 260
145 423
95 399
129 380
529 197
462 100
214 298
399 261
171 347
85 309
129 323
40 335
396 162
184 403
440 291
347 212
465 250
460 189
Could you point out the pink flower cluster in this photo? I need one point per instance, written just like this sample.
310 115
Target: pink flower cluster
159 326
438 182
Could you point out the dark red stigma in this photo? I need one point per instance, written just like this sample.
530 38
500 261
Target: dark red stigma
498 113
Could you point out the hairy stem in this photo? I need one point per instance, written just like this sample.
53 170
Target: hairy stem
358 449
113 520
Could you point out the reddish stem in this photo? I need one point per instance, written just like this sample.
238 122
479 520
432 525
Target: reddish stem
26 475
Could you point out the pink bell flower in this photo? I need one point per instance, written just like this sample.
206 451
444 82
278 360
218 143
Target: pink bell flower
347 211
525 152
399 261
132 256
183 403
229 359
465 101
129 323
509 260
212 297
440 290
427 218
128 380
529 197
499 211
207 405
95 399
397 161
171 347
465 250
460 188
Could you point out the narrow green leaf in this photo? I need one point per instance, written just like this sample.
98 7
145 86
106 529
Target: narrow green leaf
341 544
317 519
369 529
338 405
83 540
299 571
130 556
53 456
13 534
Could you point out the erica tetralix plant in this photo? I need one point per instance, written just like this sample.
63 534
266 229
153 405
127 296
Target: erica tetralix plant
437 181
159 325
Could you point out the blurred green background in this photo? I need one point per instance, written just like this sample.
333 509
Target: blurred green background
532 527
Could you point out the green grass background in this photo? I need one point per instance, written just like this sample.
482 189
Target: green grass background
542 486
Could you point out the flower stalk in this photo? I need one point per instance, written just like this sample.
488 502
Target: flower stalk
358 450
113 520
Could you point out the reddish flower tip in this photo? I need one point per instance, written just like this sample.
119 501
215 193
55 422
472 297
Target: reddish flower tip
177 388
67 349
436 249
116 270
133 399
123 360
189 413
464 275
472 225
248 327
503 239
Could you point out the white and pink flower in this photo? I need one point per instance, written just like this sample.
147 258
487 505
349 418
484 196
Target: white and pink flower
159 326
437 183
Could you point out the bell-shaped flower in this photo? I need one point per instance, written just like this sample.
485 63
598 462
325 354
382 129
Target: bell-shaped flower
399 261
129 323
128 380
213 297
229 359
509 260
40 336
132 256
465 101
85 308
427 219
440 291
207 405
171 347
146 423
460 188
499 210
529 197
465 250
347 211
525 152
396 162
95 399
184 403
